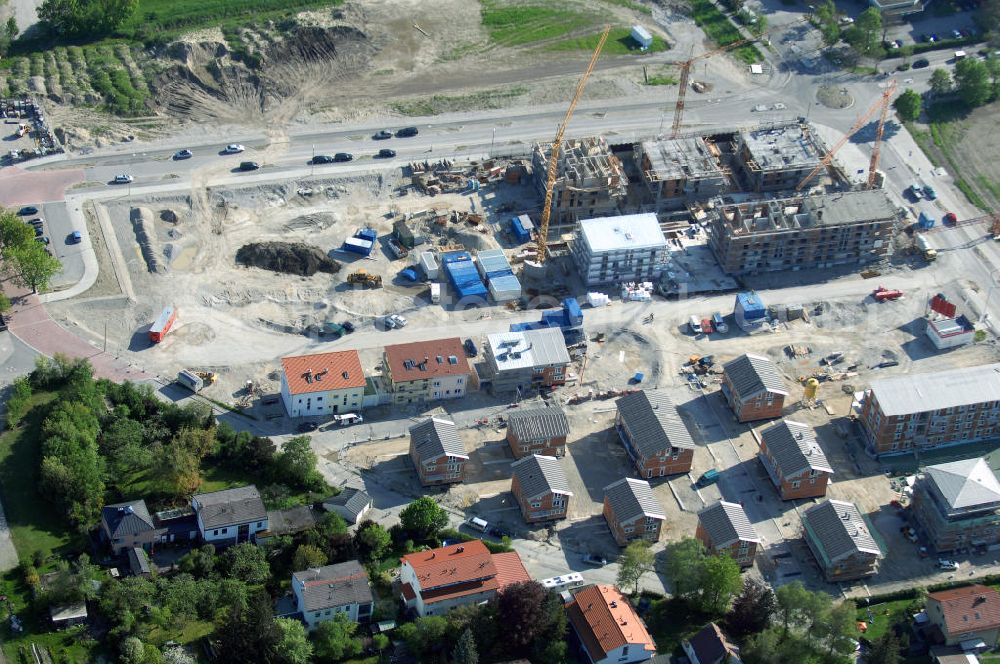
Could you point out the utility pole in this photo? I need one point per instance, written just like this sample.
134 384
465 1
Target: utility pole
105 337
312 162
493 141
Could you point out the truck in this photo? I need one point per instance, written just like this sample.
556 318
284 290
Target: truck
719 323
162 325
924 245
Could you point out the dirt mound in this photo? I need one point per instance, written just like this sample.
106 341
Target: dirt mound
145 235
291 258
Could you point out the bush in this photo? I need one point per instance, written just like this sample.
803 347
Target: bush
19 402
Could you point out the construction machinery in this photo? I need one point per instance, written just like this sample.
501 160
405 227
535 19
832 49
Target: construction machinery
553 168
209 377
364 278
882 104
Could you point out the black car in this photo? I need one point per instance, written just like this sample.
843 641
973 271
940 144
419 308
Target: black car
44 239
38 231
470 348
348 326
343 156
385 153
382 135
921 63
322 159
306 427
25 211
249 165
37 223
406 132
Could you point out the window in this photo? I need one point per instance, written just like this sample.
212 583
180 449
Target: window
536 504
215 532
650 527
628 529
524 448
795 484
460 381
225 530
260 524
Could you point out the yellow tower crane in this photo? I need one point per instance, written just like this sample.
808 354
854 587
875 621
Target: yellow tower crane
543 231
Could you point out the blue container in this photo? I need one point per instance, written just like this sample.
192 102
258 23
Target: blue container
463 276
750 305
925 221
573 311
367 234
637 378
521 227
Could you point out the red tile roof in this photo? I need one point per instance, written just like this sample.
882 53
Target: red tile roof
510 569
451 565
437 353
326 371
604 620
969 609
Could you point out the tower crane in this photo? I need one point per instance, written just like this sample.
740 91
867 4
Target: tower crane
877 145
685 68
553 169
881 104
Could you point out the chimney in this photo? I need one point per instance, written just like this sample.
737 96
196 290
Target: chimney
614 604
308 375
460 549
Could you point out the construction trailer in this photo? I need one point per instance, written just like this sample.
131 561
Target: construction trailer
362 242
950 332
463 275
161 326
802 233
777 157
522 228
680 170
750 312
429 264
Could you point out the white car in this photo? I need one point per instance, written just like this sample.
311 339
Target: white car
400 321
124 178
234 148
949 565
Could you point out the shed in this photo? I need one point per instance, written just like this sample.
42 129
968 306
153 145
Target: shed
493 263
505 288
641 36
402 232
463 276
429 264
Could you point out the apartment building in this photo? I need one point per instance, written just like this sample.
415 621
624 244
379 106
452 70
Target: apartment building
844 542
956 505
632 511
803 232
523 362
930 410
794 461
540 487
777 157
322 383
426 371
678 170
753 388
537 431
653 433
725 529
615 250
437 452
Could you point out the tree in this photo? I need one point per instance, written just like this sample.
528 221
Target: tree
683 560
885 649
752 609
372 541
85 18
908 105
30 265
465 650
295 465
179 469
719 577
799 607
13 231
522 609
636 561
199 562
838 628
827 21
177 655
249 634
9 34
246 562
422 634
973 82
380 642
292 646
865 35
423 518
940 81
307 556
132 651
335 639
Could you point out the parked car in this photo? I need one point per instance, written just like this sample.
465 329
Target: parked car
343 156
595 560
36 222
385 153
75 237
400 321
921 63
929 192
348 326
322 159
234 148
306 427
470 348
38 231
43 239
382 135
385 323
708 477
183 154
956 34
27 211
406 132
123 178
249 166
949 565
949 219
917 191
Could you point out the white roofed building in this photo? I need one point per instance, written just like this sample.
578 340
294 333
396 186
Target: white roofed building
615 250
957 505
525 361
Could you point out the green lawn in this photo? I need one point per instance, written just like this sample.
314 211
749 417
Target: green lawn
631 4
34 525
512 24
174 16
721 30
883 616
70 645
619 42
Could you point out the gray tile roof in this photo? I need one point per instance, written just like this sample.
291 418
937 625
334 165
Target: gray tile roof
129 518
839 530
342 584
540 475
530 348
794 448
434 437
726 523
915 393
351 501
535 424
965 484
229 506
752 374
654 422
631 498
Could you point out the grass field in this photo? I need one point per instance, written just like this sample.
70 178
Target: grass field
631 4
484 100
167 18
518 24
721 30
619 42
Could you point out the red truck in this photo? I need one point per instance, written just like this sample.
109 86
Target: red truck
163 324
883 294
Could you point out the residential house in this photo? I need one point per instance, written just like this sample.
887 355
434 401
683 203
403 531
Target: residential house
521 362
230 516
436 581
607 628
929 410
128 525
352 504
322 384
966 616
711 646
537 431
725 529
426 371
322 593
437 452
844 542
540 486
753 388
794 460
654 435
957 505
632 512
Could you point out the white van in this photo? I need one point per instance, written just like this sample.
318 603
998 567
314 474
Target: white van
348 419
477 524
695 323
564 582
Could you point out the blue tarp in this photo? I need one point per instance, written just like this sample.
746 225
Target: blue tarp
925 221
409 274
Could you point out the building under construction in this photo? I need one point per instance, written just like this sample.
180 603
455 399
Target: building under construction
590 182
804 232
680 170
777 157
